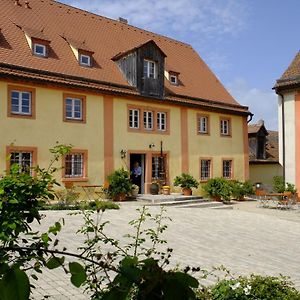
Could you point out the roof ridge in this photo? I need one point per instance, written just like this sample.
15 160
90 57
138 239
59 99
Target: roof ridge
123 24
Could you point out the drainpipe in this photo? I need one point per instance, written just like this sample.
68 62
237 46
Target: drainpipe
283 132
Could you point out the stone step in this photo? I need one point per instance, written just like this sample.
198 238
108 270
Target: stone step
206 204
158 199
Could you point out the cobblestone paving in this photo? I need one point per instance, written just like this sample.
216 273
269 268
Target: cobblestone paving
243 241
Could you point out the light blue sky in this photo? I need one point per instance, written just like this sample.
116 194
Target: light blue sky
247 43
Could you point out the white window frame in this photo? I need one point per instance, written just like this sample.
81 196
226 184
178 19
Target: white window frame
134 118
20 103
203 124
148 120
225 127
88 64
175 82
202 170
73 162
225 171
148 72
161 121
73 100
35 45
20 160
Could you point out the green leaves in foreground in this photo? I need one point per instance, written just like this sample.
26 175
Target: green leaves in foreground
78 274
14 285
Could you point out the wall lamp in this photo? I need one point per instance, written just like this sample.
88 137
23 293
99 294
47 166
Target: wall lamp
123 153
151 146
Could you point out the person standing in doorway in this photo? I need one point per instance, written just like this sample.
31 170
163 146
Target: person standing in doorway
136 175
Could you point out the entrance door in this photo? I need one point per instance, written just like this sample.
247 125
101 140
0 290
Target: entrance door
136 161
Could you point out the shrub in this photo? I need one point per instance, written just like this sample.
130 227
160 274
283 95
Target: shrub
254 287
186 181
119 183
241 189
278 184
218 187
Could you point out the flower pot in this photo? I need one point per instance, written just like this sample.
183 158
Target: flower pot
166 190
120 197
134 193
187 191
154 188
216 198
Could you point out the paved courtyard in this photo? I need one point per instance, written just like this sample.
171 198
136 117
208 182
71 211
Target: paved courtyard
245 239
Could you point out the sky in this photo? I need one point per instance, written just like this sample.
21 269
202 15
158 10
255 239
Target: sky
248 44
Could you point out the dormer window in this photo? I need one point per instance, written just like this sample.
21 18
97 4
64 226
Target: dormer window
84 60
149 69
173 79
39 49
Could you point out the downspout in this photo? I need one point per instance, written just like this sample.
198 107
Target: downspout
283 133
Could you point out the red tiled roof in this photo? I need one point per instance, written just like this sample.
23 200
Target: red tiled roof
291 76
61 24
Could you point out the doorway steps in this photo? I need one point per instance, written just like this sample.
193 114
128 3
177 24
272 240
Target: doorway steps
178 200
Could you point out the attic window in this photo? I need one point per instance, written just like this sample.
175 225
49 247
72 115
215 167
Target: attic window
173 79
149 69
39 49
85 60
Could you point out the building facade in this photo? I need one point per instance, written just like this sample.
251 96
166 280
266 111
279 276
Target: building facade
117 94
288 91
263 155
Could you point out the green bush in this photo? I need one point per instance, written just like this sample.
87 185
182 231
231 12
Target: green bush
241 189
218 187
280 186
186 181
119 183
252 287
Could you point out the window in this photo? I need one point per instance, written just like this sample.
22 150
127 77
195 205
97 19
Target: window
75 164
24 157
149 69
21 102
85 60
161 121
40 49
203 124
205 169
173 79
148 120
225 126
227 169
74 108
134 116
159 168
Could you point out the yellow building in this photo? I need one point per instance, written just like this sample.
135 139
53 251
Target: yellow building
117 93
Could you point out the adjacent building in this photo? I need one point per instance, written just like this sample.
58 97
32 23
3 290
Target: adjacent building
288 91
263 155
117 93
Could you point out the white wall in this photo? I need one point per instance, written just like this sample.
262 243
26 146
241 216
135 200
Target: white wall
290 137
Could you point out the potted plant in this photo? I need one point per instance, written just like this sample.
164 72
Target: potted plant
119 185
218 189
134 190
154 188
166 190
241 189
186 182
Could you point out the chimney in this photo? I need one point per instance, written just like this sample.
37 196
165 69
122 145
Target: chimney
17 2
122 20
